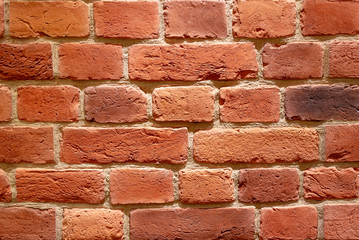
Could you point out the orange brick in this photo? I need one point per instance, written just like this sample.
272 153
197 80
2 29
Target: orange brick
5 104
5 190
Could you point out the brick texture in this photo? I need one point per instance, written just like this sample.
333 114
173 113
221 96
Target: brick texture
344 59
5 104
2 21
5 190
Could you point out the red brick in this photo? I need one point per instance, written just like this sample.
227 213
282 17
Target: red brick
249 105
344 59
27 223
268 185
330 17
2 21
195 19
49 19
192 62
177 223
206 186
26 145
256 145
293 61
127 19
90 61
188 104
5 190
72 186
263 19
31 61
48 104
5 104
115 104
78 224
131 185
119 145
289 223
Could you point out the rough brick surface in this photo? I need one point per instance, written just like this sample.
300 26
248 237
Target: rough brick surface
72 186
83 224
176 223
2 22
115 104
138 19
249 105
5 190
192 62
131 185
293 61
289 223
27 223
5 103
268 185
49 19
256 145
48 104
206 186
26 145
344 59
189 104
107 145
32 61
322 102
90 61
195 19
263 19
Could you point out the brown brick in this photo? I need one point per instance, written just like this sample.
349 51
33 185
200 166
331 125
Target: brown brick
268 185
48 104
344 59
109 145
72 186
188 104
2 21
90 61
131 185
249 105
115 104
192 62
177 223
293 61
49 19
256 145
5 104
5 190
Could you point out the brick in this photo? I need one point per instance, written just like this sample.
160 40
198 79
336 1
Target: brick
322 102
31 61
268 185
115 104
329 17
90 61
141 186
5 104
344 59
289 223
263 19
48 104
5 190
177 223
27 223
26 145
71 186
293 61
256 145
134 20
206 186
2 20
119 145
188 104
49 19
195 19
192 62
249 105
81 224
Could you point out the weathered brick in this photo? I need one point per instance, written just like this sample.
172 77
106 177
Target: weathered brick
344 59
36 19
249 105
192 62
2 21
115 104
256 145
177 223
293 61
108 145
5 190
189 104
5 104
72 186
90 61
48 104
135 186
